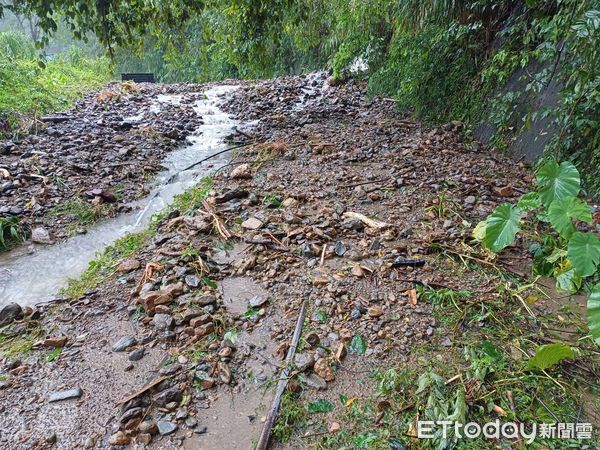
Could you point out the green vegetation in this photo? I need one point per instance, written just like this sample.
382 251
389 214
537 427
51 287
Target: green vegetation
480 62
292 417
560 250
103 267
488 373
21 343
28 90
81 213
10 232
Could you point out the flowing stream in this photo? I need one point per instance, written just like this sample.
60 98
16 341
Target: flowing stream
33 274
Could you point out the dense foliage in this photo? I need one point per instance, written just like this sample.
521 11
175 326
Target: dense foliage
482 61
27 89
559 249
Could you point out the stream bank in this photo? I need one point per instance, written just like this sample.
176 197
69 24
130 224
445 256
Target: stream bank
36 271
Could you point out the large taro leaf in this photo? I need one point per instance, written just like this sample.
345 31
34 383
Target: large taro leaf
530 201
593 313
584 253
502 227
569 281
548 355
562 212
557 182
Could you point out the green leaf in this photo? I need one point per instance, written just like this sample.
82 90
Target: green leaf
548 355
231 336
321 316
54 354
530 201
320 406
358 345
557 182
569 281
593 313
490 350
251 313
208 282
502 227
557 254
561 213
584 253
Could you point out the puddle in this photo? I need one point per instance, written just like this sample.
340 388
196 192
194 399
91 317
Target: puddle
225 257
238 291
29 278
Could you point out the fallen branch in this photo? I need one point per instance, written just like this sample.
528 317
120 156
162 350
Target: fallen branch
265 435
371 223
142 390
223 231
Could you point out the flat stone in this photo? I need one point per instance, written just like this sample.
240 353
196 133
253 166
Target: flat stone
203 330
163 321
252 224
136 355
192 281
204 300
190 313
200 320
170 369
55 342
131 414
40 235
168 396
340 248
446 342
165 428
181 414
314 381
258 300
191 422
65 395
304 361
128 265
201 429
124 343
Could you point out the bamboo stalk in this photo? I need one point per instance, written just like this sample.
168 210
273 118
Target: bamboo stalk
265 435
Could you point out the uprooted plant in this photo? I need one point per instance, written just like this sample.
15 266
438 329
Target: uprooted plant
557 214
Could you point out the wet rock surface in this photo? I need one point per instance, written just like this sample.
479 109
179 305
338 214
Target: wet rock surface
185 339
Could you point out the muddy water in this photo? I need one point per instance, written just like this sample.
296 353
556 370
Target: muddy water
33 274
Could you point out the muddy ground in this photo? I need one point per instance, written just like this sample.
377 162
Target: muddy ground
341 203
